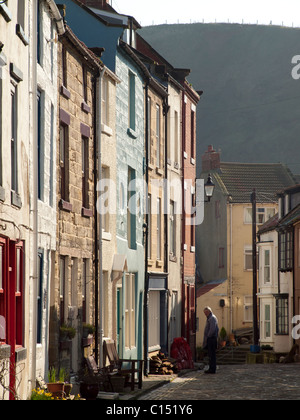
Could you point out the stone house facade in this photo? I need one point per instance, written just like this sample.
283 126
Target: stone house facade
73 286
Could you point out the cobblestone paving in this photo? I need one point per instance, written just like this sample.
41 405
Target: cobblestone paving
239 382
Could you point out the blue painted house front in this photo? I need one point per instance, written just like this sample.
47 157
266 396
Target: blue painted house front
95 31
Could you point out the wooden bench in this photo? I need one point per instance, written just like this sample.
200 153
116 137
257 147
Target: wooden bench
123 366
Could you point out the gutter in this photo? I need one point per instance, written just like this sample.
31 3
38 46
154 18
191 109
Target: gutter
57 16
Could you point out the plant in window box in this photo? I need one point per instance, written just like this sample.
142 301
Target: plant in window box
88 329
56 388
67 332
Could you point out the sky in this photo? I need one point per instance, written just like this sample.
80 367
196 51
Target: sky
262 12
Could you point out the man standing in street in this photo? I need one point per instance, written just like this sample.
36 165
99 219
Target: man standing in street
210 339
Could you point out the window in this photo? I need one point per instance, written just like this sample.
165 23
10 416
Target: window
41 149
221 257
84 84
248 308
248 258
84 284
193 134
158 229
286 251
64 161
131 209
18 270
154 320
131 101
267 266
40 296
267 326
85 171
14 144
3 290
105 101
248 263
62 287
130 304
105 198
172 229
149 128
217 209
157 135
176 138
282 325
11 298
262 214
51 179
149 226
64 66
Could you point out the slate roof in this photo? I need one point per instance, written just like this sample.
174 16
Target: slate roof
202 290
292 217
239 180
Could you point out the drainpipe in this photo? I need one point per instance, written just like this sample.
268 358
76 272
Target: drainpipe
34 207
98 130
230 267
166 268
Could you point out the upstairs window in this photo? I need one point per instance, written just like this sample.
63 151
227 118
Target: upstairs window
131 83
286 251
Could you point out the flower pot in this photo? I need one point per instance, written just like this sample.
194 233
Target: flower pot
57 389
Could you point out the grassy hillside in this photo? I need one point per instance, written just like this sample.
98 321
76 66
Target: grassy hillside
250 108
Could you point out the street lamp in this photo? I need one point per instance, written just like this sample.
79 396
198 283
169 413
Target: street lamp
209 187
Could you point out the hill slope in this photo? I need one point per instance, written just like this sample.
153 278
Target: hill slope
250 108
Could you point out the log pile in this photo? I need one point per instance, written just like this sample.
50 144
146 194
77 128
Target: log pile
162 365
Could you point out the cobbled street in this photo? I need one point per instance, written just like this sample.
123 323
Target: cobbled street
238 382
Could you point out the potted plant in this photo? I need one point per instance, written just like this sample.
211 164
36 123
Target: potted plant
223 335
67 332
55 387
87 330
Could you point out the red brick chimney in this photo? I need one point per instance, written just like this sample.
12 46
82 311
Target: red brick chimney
210 159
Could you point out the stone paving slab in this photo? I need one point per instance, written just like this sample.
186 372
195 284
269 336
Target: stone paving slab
237 382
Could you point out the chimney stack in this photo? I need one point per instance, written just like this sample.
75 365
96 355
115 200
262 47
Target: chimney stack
210 159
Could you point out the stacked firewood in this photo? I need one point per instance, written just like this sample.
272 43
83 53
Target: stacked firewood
162 365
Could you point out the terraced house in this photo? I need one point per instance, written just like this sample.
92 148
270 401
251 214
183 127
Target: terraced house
73 286
27 183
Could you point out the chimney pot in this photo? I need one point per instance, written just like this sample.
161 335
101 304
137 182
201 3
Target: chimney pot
210 159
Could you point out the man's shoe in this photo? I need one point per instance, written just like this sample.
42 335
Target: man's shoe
209 371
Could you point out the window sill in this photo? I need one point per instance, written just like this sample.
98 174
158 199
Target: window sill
172 258
65 92
132 133
64 205
5 12
86 212
4 351
16 200
106 236
21 34
85 107
2 194
21 353
106 130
